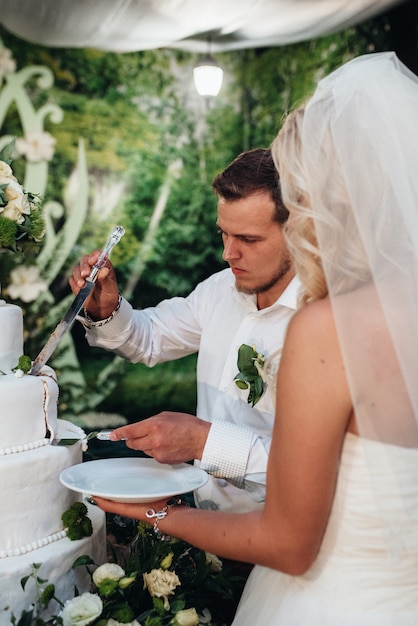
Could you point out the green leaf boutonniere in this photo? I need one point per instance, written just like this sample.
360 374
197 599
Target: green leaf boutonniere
250 364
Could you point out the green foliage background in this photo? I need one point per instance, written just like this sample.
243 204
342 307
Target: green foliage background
138 114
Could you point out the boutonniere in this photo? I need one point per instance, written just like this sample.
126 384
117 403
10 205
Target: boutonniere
251 375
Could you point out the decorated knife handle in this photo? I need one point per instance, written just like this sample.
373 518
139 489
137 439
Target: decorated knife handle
114 238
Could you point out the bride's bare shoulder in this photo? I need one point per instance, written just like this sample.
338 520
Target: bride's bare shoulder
316 314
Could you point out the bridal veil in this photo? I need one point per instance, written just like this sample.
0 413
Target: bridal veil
358 164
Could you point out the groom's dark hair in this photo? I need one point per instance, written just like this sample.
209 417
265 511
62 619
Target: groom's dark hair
249 173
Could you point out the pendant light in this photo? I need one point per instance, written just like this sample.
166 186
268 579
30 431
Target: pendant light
207 76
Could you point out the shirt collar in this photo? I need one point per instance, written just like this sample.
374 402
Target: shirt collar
288 298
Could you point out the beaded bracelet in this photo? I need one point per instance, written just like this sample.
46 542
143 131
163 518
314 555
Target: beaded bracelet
159 515
89 323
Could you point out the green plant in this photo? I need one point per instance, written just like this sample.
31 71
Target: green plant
152 582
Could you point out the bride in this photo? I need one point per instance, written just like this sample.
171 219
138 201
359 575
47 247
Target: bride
337 541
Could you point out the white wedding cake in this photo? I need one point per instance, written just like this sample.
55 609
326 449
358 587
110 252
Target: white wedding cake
31 495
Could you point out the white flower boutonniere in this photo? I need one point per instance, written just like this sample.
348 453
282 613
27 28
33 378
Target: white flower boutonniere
251 374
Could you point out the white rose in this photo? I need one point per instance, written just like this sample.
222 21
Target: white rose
161 584
26 283
6 170
13 211
186 617
18 205
82 610
107 571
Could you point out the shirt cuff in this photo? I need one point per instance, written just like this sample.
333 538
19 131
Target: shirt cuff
112 326
88 322
226 452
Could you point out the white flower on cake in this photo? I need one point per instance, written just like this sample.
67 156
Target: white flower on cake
36 146
26 283
82 610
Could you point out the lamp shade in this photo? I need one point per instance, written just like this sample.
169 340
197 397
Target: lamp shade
208 77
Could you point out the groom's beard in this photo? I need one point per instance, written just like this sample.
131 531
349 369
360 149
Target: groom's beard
285 267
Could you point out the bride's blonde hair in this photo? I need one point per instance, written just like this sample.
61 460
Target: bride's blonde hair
300 229
341 245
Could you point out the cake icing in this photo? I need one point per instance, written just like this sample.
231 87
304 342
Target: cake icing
33 492
32 496
28 410
11 347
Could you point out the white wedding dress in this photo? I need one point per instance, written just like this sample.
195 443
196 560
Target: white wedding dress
354 581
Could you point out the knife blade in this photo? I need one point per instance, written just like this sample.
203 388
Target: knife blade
101 435
74 309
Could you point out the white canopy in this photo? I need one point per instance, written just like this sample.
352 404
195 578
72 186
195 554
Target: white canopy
131 25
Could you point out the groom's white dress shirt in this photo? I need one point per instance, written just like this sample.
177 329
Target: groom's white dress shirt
214 320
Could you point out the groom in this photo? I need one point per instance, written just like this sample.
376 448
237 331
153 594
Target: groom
250 303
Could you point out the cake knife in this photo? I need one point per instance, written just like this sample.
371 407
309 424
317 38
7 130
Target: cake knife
67 321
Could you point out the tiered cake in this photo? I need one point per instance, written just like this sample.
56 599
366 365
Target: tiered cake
31 495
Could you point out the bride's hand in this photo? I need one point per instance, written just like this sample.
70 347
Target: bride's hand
130 509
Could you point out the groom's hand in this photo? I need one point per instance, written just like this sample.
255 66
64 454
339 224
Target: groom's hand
168 437
105 295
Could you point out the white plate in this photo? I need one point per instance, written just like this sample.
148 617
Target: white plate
132 479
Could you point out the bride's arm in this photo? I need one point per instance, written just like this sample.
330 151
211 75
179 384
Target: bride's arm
313 409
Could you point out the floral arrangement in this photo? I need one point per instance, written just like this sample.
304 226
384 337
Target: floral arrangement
21 221
152 582
251 375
